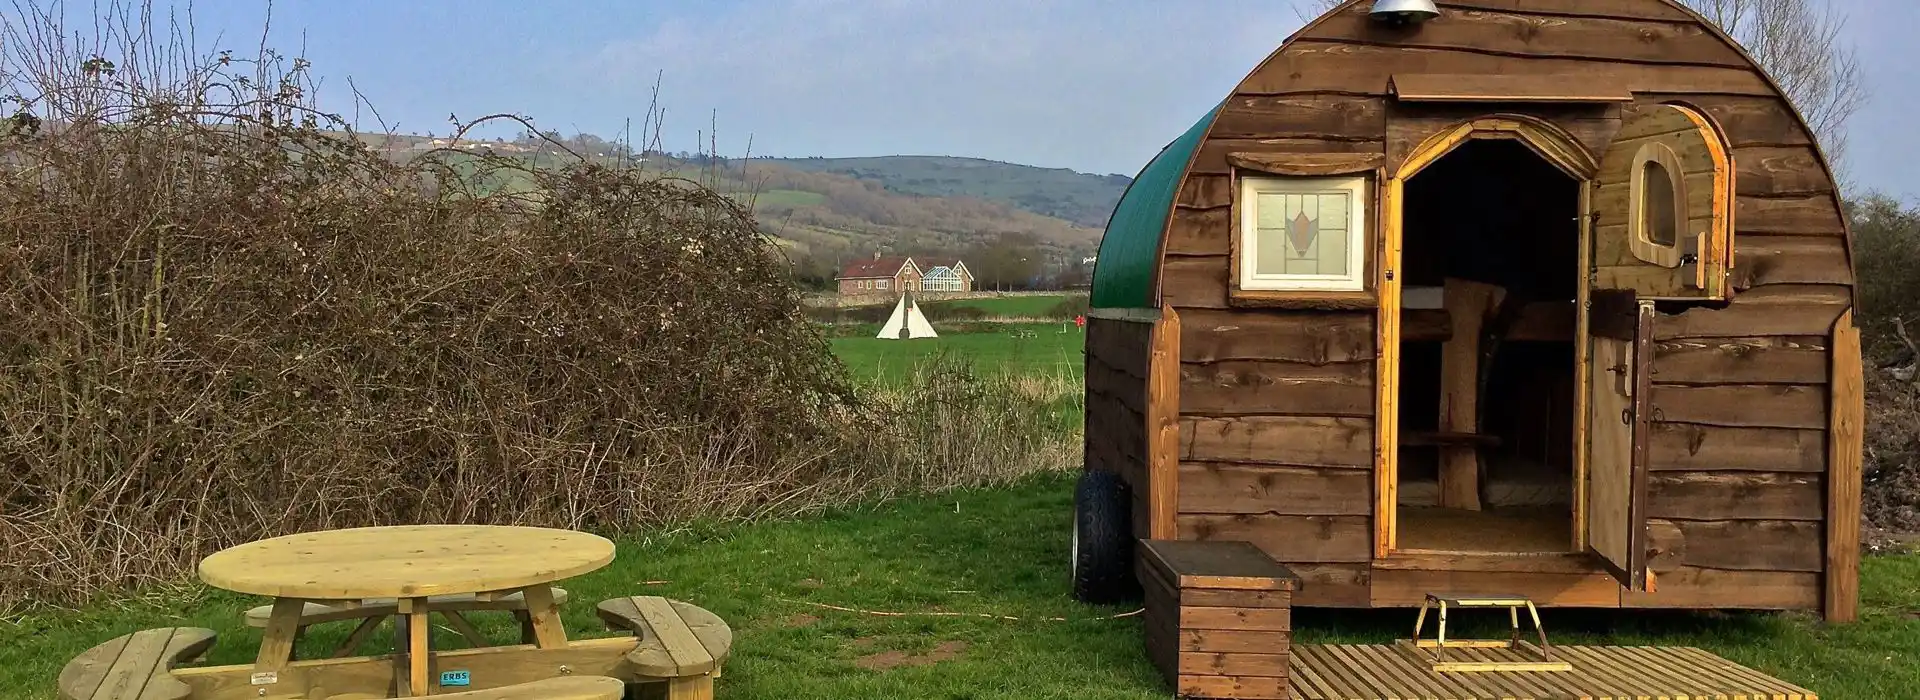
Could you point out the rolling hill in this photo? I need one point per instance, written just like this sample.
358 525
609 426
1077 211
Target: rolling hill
827 211
1082 198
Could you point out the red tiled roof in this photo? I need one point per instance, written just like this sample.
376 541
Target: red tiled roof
865 268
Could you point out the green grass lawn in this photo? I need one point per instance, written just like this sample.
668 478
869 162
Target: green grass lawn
1028 348
998 552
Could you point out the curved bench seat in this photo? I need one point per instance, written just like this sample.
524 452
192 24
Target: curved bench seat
135 666
681 643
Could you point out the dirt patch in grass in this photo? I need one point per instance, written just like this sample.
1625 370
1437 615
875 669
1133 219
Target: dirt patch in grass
887 660
801 620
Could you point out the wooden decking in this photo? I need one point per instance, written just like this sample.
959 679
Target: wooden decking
1385 672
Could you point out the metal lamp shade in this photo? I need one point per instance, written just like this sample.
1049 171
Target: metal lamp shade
1404 11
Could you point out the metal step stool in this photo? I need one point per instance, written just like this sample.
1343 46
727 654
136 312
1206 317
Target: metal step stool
1520 656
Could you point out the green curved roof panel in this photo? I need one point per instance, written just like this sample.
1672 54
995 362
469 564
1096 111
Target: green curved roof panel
1130 249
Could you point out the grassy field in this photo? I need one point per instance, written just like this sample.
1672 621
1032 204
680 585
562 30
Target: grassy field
1037 306
999 552
1051 349
981 578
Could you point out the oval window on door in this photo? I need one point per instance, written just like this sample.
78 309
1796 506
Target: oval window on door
1658 197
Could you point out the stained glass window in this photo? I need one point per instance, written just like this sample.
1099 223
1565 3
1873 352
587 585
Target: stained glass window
1302 233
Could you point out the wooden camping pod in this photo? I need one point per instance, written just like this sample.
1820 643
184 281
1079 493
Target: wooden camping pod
1731 478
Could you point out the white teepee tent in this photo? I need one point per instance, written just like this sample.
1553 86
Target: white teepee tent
906 322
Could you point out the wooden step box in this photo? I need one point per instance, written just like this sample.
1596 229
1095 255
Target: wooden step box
1218 617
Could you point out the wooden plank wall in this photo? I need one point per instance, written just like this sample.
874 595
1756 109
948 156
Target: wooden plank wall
1276 409
1277 405
1116 413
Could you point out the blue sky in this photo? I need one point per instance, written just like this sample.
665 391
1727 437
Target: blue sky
1093 85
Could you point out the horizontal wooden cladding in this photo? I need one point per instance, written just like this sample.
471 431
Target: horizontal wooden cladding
1529 35
1205 192
1212 158
1746 545
1234 618
1116 441
1613 9
1289 538
1676 447
1790 215
1696 588
1482 89
1745 120
1105 382
1120 345
1313 64
1259 387
1775 360
1205 232
1776 309
1246 687
1212 488
1312 337
1790 259
1327 115
1742 406
1761 260
1284 440
1195 282
1232 641
1399 588
1735 496
1205 664
1410 125
1332 585
1778 170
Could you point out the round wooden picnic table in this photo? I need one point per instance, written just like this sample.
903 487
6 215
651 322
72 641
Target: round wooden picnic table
409 563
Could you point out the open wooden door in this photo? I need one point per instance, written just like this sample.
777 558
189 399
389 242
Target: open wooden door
1663 210
1620 377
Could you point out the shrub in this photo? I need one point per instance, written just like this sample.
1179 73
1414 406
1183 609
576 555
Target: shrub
1886 239
224 317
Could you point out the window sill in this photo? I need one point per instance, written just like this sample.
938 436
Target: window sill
1303 299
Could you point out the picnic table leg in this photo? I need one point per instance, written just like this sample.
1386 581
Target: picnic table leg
416 652
691 688
276 642
548 632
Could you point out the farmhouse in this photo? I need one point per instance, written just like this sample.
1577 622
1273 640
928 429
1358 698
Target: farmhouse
879 275
1546 298
947 275
892 275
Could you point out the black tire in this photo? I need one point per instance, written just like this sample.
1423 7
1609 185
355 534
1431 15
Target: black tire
1102 553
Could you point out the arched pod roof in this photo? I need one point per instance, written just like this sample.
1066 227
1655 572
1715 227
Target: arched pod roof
1130 248
1659 49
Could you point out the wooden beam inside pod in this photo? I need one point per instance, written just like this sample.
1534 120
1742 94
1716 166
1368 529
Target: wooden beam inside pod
1844 444
1163 427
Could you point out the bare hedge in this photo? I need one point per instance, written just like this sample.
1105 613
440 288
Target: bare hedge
222 318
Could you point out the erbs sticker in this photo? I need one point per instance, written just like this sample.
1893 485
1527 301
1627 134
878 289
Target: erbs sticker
453 678
267 678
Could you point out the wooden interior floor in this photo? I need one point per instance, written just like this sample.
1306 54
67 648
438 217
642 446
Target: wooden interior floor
1529 530
1379 671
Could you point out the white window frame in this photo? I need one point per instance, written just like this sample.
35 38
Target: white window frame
1251 186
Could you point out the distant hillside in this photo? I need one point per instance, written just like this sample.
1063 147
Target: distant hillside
1082 198
824 218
